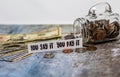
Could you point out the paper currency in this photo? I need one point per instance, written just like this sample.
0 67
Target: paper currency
15 44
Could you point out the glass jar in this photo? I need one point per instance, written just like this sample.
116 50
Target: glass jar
100 25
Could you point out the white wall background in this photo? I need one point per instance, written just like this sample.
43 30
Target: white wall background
47 11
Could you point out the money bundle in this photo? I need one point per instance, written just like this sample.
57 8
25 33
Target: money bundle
13 47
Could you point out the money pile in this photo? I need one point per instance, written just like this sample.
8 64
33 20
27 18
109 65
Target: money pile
101 30
13 47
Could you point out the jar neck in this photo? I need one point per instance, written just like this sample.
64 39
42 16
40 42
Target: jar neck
80 28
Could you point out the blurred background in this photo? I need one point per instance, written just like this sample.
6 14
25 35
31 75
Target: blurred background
47 11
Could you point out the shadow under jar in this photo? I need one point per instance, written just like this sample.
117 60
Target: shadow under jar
98 26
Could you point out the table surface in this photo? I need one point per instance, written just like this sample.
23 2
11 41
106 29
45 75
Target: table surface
104 62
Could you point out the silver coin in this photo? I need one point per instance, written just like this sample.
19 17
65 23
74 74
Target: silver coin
49 55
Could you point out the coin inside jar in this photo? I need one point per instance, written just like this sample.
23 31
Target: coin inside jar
110 29
99 34
115 32
111 26
116 24
93 25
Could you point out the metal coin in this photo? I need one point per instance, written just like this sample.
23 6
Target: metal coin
109 32
93 25
110 29
91 39
99 34
111 26
117 25
71 36
115 32
80 50
49 55
67 50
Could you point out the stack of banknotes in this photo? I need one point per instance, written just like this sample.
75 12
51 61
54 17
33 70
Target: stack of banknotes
13 47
